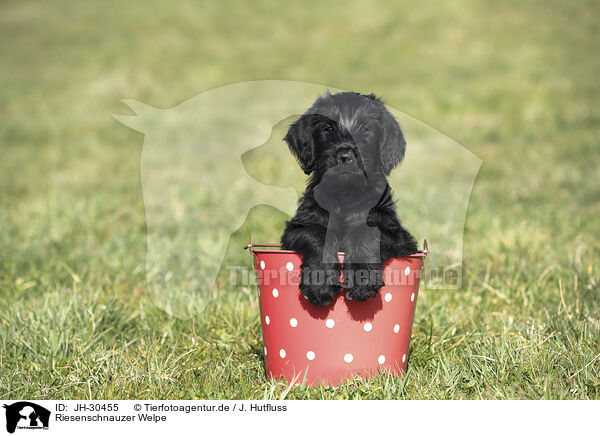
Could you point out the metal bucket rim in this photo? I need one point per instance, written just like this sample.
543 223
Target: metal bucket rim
340 253
274 250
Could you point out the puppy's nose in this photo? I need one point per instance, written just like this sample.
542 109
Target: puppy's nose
345 155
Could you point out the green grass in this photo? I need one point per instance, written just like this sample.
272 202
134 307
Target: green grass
515 82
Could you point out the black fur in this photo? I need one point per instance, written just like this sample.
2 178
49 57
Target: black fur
348 143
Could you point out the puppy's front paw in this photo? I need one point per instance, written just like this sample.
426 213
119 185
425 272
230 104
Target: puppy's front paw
320 295
361 293
320 284
362 281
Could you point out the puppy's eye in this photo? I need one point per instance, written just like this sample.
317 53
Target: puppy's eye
327 128
365 129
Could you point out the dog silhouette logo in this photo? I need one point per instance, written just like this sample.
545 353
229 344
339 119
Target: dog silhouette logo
26 415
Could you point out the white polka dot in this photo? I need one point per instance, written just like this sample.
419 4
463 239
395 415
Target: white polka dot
267 320
275 293
403 358
305 297
293 322
265 351
330 323
262 264
368 327
282 353
407 270
412 297
396 328
348 358
388 297
381 359
289 266
310 355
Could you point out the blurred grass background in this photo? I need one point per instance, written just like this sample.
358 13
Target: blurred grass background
515 82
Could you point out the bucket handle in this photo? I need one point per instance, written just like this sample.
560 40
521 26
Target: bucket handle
251 245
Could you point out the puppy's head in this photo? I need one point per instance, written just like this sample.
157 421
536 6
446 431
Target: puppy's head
348 137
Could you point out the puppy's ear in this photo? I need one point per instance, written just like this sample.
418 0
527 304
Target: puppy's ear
393 144
300 140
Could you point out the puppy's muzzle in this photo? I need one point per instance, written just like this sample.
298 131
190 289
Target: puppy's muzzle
345 155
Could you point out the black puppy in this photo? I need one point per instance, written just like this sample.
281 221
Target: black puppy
348 143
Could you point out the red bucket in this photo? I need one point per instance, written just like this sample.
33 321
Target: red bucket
304 343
